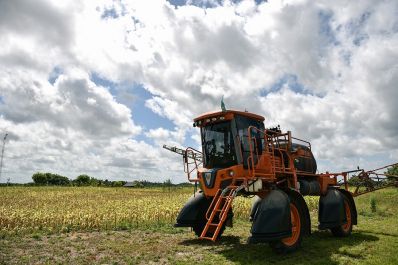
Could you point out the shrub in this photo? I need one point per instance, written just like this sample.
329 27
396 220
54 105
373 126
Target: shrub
82 180
50 179
373 207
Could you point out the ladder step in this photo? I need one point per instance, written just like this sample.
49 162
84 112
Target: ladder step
219 207
205 237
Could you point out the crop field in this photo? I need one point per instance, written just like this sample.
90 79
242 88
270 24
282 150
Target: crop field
65 209
80 225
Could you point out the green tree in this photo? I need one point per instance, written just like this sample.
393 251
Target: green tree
55 179
50 179
118 183
167 183
83 180
107 182
93 182
39 178
137 184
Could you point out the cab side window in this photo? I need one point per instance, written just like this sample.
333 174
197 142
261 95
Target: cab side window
243 125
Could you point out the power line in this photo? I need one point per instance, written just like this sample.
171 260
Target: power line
2 153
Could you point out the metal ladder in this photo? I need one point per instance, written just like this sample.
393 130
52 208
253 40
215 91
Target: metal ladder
218 212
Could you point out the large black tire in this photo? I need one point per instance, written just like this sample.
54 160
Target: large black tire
298 219
345 230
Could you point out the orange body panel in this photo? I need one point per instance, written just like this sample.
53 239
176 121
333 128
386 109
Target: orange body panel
222 176
229 115
274 164
326 180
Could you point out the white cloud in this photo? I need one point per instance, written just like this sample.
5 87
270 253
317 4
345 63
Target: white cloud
343 57
171 110
66 105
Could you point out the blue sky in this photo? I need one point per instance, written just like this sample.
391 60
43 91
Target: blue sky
141 114
97 87
146 118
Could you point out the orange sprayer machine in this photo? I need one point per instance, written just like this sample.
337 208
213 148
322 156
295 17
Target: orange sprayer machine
241 157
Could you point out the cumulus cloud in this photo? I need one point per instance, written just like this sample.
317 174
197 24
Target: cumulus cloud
74 102
325 72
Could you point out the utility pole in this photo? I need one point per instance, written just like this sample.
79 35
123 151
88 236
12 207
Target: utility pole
2 153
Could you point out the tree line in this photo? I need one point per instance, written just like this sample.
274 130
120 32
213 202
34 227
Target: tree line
50 179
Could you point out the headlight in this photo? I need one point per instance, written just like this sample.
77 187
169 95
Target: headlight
231 173
207 177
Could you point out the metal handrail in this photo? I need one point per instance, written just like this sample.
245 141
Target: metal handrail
268 147
192 153
272 144
301 140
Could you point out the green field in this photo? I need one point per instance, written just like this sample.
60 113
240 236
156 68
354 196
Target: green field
81 225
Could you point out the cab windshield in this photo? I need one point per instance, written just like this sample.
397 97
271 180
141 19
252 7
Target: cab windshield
218 145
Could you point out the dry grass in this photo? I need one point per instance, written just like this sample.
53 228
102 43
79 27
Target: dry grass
89 208
374 240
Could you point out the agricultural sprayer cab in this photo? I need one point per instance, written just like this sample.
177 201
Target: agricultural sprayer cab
241 157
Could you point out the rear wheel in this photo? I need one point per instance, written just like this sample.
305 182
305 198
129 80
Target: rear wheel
290 244
344 229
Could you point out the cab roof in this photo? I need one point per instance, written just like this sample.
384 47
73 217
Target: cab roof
233 112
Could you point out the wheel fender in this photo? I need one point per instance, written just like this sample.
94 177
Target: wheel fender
303 205
271 219
352 204
255 204
331 209
189 214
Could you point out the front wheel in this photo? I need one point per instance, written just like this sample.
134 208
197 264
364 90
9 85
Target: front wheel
292 243
344 229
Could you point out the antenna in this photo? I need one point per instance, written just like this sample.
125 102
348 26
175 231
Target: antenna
2 153
223 105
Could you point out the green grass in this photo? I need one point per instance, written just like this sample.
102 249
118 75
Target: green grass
373 241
